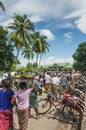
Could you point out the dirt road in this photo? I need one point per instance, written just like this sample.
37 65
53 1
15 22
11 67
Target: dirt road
49 121
46 122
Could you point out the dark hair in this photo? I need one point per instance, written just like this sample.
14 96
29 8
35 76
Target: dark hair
22 85
4 84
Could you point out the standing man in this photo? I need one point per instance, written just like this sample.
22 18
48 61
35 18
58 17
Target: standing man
64 82
47 81
54 84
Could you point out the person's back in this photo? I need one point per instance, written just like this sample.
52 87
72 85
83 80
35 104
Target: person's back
22 96
6 108
5 99
64 81
54 84
48 78
55 80
34 97
47 81
41 79
22 104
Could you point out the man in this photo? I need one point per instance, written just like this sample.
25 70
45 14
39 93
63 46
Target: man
47 81
54 84
64 82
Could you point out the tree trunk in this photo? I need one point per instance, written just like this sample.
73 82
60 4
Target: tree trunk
40 60
17 58
37 59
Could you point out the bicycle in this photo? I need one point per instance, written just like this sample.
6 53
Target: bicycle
67 106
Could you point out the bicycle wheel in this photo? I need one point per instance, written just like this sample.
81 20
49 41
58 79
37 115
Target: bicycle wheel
71 113
80 95
44 106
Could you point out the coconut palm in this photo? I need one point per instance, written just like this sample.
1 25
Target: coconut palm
28 52
45 47
21 32
2 6
40 45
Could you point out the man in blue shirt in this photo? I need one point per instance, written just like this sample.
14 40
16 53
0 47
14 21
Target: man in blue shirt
64 82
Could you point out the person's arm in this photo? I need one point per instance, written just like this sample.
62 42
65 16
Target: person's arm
13 101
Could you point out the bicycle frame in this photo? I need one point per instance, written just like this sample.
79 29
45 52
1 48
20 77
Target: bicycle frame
46 103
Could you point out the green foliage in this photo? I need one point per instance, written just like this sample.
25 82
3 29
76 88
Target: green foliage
31 67
7 57
35 65
21 32
2 6
40 45
21 69
80 57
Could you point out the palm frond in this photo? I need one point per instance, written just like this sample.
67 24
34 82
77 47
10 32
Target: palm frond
2 6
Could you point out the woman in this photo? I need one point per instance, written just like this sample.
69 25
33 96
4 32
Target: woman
22 104
6 108
33 100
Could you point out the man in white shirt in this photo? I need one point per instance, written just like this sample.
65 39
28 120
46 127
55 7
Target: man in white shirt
47 81
54 83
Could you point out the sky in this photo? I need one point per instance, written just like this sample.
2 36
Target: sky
62 21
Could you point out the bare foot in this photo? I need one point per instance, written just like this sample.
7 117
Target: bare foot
38 117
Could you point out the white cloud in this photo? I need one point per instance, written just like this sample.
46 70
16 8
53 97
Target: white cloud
23 62
51 60
6 23
76 13
1 17
35 19
68 37
47 9
65 25
44 10
48 34
47 61
81 24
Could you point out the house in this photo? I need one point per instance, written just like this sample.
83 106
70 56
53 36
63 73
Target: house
56 67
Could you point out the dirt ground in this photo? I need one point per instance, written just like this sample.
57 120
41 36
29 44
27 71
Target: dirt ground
49 121
46 122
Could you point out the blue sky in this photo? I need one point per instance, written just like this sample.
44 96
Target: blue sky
62 21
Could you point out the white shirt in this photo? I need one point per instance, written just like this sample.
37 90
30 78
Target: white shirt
48 79
55 80
4 76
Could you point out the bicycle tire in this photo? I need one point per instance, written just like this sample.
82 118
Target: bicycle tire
77 93
44 106
72 113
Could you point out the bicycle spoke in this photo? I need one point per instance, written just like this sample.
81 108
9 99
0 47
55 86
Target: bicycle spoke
44 106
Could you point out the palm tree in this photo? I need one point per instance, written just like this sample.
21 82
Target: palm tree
28 52
21 35
45 47
40 45
2 6
37 46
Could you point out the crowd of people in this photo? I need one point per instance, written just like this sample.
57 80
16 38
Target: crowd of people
26 98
